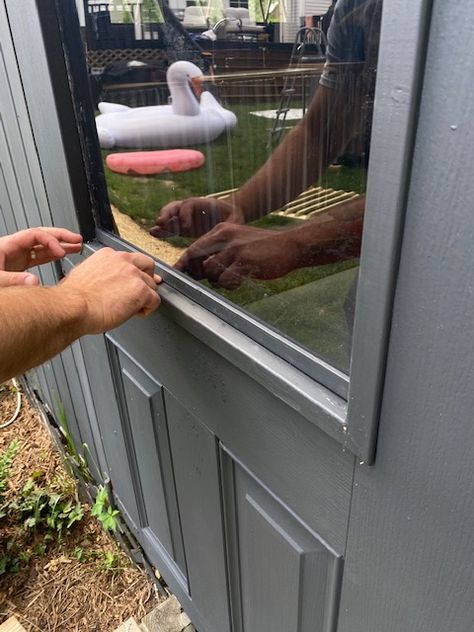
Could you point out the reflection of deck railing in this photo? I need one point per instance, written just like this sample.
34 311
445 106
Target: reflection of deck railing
239 86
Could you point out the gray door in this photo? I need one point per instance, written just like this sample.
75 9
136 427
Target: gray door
238 458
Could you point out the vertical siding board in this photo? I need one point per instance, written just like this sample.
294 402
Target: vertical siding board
27 191
94 453
7 224
41 116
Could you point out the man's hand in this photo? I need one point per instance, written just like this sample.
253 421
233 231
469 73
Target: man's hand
194 217
31 247
99 294
229 253
110 287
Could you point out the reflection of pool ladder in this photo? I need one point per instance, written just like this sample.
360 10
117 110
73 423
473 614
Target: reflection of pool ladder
306 36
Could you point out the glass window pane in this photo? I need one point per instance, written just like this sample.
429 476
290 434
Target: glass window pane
240 139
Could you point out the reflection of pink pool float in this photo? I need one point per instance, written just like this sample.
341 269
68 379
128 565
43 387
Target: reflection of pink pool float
147 163
188 121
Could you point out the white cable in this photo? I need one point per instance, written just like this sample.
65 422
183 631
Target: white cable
18 405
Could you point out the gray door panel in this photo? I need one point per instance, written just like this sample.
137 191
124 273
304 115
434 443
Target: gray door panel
149 436
196 466
279 446
289 578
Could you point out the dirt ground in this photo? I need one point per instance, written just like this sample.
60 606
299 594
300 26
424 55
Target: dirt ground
82 583
135 234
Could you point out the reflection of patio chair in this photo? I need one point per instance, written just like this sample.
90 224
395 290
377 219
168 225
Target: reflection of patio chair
195 18
240 22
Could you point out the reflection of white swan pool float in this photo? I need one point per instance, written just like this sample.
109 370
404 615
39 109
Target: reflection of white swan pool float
186 122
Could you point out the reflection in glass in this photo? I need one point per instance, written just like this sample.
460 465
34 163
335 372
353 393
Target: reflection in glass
278 119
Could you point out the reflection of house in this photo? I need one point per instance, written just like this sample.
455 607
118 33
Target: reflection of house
196 16
288 14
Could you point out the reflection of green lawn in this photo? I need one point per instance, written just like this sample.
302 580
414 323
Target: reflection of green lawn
230 161
314 313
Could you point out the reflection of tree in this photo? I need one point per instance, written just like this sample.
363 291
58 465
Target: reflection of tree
268 11
127 17
151 13
177 41
211 10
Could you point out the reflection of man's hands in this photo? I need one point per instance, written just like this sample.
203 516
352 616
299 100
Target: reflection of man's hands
229 253
194 217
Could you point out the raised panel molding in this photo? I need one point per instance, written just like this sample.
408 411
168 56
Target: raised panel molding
197 473
289 579
145 432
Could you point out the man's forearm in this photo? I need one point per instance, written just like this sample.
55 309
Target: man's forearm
302 157
36 324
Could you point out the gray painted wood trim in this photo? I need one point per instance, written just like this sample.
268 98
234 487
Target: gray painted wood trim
316 368
194 450
316 403
405 25
410 551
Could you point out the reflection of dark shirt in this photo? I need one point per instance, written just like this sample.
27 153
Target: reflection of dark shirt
352 51
353 39
351 62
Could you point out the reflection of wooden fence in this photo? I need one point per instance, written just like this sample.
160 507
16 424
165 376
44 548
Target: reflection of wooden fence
98 59
224 59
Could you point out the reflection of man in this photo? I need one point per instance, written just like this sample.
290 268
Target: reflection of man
101 293
341 109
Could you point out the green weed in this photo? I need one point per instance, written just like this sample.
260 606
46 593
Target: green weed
103 510
35 509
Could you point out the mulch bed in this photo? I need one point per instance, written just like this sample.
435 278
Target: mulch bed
55 591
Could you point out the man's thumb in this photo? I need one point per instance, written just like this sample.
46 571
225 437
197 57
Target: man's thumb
8 279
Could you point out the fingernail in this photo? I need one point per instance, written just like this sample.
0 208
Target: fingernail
30 279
